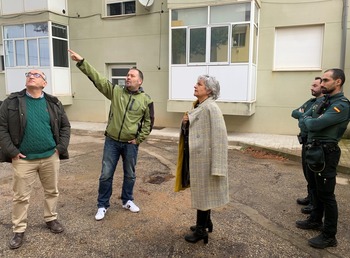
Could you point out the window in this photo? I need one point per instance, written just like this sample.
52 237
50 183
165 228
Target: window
115 8
219 44
197 45
119 72
240 48
60 45
211 35
219 40
29 45
178 42
298 48
2 64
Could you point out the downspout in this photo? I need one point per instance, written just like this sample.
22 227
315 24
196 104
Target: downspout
344 34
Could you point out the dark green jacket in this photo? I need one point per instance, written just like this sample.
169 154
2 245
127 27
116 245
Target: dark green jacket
297 114
13 122
131 115
330 125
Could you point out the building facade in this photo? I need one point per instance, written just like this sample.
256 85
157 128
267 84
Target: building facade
265 54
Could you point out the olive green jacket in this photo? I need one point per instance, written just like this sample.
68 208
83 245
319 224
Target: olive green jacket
131 114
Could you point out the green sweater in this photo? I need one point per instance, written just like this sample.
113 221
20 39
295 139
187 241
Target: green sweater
38 141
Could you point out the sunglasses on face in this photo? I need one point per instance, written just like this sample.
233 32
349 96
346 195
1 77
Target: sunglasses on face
35 75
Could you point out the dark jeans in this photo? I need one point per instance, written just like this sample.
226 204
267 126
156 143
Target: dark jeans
111 154
325 202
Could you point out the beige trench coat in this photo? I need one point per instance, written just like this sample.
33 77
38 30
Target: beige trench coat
208 156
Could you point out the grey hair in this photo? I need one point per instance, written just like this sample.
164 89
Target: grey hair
211 84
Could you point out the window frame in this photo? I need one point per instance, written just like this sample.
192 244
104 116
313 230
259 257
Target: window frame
289 56
123 7
178 24
43 46
120 66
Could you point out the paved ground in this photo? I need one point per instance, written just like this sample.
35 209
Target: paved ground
286 145
259 221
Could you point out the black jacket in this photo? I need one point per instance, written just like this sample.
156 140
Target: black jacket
13 123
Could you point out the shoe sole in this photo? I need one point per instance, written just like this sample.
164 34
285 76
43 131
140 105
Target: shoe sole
323 247
130 210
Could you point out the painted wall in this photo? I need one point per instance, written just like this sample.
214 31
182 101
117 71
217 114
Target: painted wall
143 39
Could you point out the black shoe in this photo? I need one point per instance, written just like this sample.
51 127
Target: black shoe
303 201
199 234
309 224
307 209
55 226
16 241
322 241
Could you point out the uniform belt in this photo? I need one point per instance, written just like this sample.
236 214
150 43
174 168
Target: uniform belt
326 145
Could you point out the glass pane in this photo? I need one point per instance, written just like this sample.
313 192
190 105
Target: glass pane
118 81
59 31
219 44
120 71
37 29
129 7
240 43
230 13
13 31
178 46
114 9
44 52
187 17
32 52
60 57
20 53
198 45
9 57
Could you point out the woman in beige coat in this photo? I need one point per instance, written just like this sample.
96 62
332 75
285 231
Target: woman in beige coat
205 130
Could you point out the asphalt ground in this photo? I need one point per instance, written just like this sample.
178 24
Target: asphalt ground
259 221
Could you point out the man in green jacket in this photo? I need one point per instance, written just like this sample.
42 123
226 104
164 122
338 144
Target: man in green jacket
130 121
325 124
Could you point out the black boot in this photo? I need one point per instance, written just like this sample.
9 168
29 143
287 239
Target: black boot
209 224
200 231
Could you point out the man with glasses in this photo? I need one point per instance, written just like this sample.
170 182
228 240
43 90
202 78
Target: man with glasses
34 136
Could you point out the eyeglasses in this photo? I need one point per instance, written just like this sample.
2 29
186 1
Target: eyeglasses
36 75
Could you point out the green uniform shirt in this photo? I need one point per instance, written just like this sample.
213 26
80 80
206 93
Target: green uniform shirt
330 125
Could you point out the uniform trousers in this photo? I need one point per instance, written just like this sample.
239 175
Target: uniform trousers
325 204
25 174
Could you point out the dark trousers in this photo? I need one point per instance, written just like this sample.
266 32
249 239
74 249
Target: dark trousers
307 174
325 202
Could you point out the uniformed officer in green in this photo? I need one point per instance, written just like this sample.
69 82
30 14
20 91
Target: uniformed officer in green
298 113
326 124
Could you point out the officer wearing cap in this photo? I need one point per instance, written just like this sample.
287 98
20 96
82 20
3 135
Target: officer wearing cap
326 124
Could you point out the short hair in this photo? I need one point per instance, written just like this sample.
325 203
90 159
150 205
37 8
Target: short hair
139 71
318 78
337 74
211 84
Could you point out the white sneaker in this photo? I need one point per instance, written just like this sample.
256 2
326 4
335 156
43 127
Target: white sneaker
100 213
130 205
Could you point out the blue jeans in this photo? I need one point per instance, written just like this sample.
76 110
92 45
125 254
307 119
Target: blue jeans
111 153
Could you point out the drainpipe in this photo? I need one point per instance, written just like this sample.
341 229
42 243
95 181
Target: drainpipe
344 34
